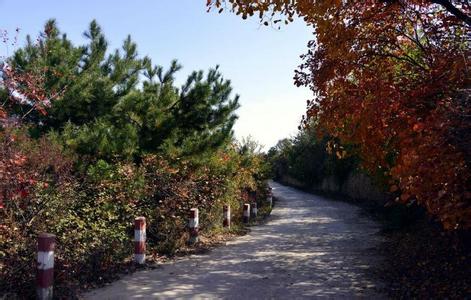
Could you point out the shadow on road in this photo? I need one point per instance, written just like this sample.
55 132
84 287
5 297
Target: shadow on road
310 247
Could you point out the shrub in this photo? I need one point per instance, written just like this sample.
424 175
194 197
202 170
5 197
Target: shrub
92 214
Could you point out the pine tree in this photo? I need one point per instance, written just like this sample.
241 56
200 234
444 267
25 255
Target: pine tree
105 112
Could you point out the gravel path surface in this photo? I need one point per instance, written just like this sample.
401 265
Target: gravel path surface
309 248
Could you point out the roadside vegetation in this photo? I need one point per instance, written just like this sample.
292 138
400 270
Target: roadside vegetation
391 111
92 138
391 85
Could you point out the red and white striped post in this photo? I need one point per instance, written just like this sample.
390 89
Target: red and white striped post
193 225
227 216
140 240
246 214
270 196
254 210
45 268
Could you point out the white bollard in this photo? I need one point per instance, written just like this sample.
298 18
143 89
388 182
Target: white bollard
254 210
246 214
193 225
227 216
270 197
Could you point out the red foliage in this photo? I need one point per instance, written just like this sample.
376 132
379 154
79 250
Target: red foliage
24 87
26 165
392 78
391 86
17 173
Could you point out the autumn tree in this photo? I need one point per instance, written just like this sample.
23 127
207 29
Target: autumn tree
22 168
391 77
311 10
20 87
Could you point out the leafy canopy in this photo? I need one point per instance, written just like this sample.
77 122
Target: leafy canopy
392 78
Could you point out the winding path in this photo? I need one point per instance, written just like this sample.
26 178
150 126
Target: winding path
310 248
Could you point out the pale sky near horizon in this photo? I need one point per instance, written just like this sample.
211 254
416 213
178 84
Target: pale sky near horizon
260 61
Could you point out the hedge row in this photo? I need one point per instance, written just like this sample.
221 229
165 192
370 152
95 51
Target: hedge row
92 212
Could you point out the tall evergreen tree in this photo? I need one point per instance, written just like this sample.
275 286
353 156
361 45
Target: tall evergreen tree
107 111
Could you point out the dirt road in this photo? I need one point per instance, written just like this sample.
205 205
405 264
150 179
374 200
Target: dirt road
310 248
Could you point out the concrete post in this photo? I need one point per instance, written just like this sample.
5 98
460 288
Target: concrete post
254 210
45 268
193 225
270 197
140 240
246 214
227 216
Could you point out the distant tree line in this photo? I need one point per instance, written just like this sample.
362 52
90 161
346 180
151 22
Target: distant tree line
309 159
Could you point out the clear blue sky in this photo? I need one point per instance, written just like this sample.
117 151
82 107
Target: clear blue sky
259 61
